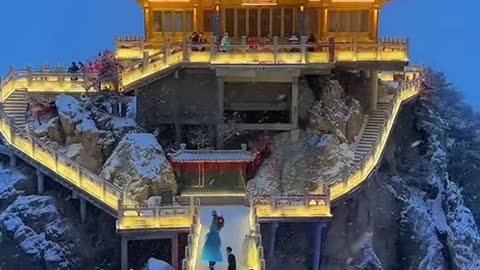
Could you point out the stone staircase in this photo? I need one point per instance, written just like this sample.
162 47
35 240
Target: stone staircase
371 131
15 106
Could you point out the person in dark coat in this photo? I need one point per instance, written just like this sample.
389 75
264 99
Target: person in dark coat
232 261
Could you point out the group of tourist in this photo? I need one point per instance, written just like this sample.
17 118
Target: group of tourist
253 43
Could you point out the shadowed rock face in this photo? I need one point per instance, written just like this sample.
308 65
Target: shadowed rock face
139 166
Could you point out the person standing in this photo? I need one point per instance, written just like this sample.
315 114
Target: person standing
232 261
211 252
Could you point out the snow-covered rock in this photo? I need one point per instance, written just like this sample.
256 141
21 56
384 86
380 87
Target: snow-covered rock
335 114
70 112
155 264
34 224
297 167
11 183
139 166
55 130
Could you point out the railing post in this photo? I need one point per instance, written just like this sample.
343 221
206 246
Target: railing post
55 159
303 40
166 52
120 212
185 50
79 174
244 44
379 42
12 76
12 130
275 49
103 190
29 75
213 48
355 48
144 61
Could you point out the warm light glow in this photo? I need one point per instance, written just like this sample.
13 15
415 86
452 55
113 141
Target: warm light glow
301 8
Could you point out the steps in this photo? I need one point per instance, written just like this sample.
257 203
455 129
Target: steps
371 131
15 106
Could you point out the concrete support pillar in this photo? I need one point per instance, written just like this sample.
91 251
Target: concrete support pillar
272 239
83 210
317 252
175 251
74 195
373 90
124 254
40 182
13 160
220 102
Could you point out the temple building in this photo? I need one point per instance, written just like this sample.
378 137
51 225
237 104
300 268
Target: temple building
340 19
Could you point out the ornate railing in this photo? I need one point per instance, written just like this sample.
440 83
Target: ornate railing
293 206
57 80
277 53
134 47
255 227
193 240
131 215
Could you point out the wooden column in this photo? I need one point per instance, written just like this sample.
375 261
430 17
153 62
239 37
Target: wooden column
148 20
374 13
83 210
272 239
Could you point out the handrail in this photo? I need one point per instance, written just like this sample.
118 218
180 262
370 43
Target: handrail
131 215
362 169
277 53
193 240
255 227
40 79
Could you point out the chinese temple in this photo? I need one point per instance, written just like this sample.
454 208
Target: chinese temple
340 19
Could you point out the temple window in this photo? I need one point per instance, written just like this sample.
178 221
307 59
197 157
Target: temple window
311 21
208 20
348 21
173 21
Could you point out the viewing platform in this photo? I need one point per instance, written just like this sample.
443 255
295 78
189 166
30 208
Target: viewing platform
387 54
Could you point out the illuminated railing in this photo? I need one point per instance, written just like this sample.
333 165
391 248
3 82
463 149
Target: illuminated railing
193 240
293 206
134 47
56 80
131 215
277 53
147 217
360 172
255 227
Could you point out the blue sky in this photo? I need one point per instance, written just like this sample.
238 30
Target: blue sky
59 31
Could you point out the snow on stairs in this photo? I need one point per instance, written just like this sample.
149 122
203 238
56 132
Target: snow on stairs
15 106
371 131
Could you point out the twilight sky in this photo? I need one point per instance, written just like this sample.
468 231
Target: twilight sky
59 31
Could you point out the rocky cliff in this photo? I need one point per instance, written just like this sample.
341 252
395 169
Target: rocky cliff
413 213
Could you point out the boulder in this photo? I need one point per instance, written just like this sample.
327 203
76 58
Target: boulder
55 130
354 118
300 166
336 114
70 112
34 224
139 166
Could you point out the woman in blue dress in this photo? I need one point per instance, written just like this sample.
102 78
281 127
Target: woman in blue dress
212 248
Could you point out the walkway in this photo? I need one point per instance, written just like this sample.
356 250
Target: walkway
237 225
